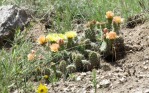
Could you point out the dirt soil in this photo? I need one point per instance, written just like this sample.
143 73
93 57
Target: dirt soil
127 75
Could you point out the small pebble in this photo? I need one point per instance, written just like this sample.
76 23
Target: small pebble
105 83
146 91
122 80
78 78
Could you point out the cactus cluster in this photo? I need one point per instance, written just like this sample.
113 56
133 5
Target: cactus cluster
83 54
111 35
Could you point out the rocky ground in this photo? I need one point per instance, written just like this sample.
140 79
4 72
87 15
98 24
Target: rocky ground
127 75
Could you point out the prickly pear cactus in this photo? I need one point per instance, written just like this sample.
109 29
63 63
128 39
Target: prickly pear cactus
86 65
70 43
90 34
119 48
73 55
87 43
116 28
109 24
94 59
71 68
78 61
95 46
62 66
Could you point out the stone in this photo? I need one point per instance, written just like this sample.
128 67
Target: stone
78 78
83 74
12 17
122 80
145 67
146 91
105 83
146 57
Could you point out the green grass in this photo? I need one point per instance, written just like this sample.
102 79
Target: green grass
14 66
67 10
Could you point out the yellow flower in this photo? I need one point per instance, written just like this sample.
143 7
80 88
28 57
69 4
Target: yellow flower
41 40
71 34
111 35
42 89
52 37
109 15
62 36
118 19
54 47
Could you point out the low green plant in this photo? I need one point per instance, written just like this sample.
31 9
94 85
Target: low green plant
94 80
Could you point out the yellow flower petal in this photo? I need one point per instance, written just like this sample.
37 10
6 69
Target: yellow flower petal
54 47
52 37
71 34
42 39
109 15
42 89
111 35
118 19
62 36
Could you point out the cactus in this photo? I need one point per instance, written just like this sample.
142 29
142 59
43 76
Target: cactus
103 47
70 43
53 66
71 68
65 54
86 53
101 25
94 59
109 16
94 46
77 61
86 65
62 66
91 24
119 48
80 48
56 56
87 43
109 24
47 71
90 34
116 27
73 55
58 74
